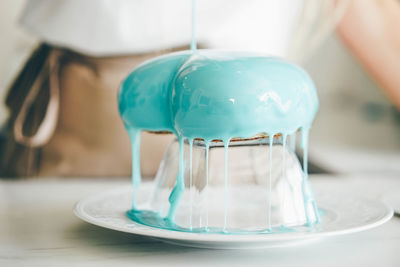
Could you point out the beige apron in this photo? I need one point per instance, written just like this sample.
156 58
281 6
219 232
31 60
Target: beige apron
64 118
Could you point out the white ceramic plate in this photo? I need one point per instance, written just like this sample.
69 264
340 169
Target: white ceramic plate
393 199
343 214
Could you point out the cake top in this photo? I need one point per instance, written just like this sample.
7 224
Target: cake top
213 94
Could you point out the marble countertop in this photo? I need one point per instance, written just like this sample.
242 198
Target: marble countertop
38 228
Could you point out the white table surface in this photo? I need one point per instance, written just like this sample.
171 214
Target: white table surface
38 228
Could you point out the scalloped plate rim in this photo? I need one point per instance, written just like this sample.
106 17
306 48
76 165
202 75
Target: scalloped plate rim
221 238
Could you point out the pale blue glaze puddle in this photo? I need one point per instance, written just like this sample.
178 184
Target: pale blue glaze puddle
153 219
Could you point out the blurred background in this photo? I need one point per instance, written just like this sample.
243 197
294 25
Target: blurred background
357 128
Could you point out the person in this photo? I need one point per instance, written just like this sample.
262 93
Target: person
377 42
64 118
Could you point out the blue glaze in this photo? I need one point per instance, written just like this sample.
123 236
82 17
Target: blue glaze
153 219
284 140
271 140
134 135
207 152
177 192
226 191
144 96
193 43
220 95
216 95
191 181
308 196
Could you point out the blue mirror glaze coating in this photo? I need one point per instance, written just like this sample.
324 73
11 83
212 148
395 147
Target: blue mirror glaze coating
218 95
144 96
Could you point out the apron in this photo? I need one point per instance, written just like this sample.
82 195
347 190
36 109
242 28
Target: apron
64 118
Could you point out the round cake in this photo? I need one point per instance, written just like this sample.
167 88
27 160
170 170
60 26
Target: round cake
217 95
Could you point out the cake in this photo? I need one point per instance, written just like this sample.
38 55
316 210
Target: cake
216 95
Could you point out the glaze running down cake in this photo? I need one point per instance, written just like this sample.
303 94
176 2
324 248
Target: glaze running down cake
216 95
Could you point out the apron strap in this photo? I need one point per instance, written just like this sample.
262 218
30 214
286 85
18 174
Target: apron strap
48 125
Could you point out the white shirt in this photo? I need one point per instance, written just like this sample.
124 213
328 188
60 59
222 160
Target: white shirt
109 27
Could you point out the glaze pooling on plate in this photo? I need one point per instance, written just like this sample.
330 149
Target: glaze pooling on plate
217 95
